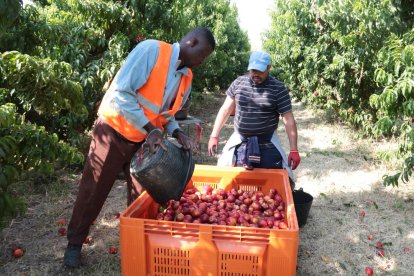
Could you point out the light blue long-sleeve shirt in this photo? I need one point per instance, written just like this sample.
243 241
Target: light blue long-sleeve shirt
133 74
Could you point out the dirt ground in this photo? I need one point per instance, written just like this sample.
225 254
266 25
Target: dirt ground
340 171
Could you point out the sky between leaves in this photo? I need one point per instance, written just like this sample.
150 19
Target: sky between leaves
254 17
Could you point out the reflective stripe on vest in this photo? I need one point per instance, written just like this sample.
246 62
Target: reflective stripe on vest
150 97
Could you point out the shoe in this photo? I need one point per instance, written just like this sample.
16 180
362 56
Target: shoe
72 257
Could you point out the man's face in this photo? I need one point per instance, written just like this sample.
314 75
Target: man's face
257 76
196 54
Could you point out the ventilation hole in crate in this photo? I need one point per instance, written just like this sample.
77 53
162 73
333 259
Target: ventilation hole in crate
200 185
169 261
249 188
239 265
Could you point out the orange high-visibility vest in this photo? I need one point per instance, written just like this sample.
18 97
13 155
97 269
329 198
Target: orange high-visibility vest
150 97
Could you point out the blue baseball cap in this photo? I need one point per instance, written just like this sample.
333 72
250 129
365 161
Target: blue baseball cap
259 60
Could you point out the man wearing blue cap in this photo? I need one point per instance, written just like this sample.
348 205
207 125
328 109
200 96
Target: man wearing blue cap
258 100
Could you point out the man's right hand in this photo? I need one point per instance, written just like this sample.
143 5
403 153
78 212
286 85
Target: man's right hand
155 139
212 145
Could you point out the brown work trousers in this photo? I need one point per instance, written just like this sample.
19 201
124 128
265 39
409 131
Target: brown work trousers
109 154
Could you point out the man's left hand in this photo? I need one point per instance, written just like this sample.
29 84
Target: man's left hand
294 159
183 139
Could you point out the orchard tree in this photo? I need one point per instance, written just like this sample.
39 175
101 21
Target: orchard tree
332 55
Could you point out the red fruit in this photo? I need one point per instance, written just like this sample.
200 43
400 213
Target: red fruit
406 250
370 237
179 217
380 253
231 221
204 218
254 220
379 245
270 223
212 219
283 225
195 213
61 221
278 198
231 199
188 219
168 217
113 249
117 215
277 215
369 271
175 205
256 206
361 213
207 190
262 223
62 231
17 252
191 191
268 213
88 240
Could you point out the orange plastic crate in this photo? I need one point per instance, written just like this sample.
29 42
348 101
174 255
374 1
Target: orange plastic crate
164 248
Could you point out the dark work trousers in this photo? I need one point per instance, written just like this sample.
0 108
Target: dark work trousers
109 154
270 157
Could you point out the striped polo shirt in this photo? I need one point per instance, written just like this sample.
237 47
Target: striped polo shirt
258 106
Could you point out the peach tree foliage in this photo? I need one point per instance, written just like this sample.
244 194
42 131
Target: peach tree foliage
9 11
44 91
333 55
26 147
395 103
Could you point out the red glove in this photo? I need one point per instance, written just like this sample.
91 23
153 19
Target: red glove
293 159
212 145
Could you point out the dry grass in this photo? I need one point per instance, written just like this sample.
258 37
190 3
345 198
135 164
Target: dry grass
341 172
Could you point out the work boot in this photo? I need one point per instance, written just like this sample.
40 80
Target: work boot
72 256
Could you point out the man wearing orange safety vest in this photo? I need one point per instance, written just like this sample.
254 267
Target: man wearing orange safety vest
151 86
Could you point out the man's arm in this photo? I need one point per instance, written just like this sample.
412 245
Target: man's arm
132 75
222 116
292 133
291 130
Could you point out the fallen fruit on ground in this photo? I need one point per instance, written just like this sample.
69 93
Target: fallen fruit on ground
61 221
369 271
370 237
381 253
361 213
62 231
117 215
113 249
88 240
379 245
17 252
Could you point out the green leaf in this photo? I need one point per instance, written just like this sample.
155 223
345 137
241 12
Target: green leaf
323 195
350 204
